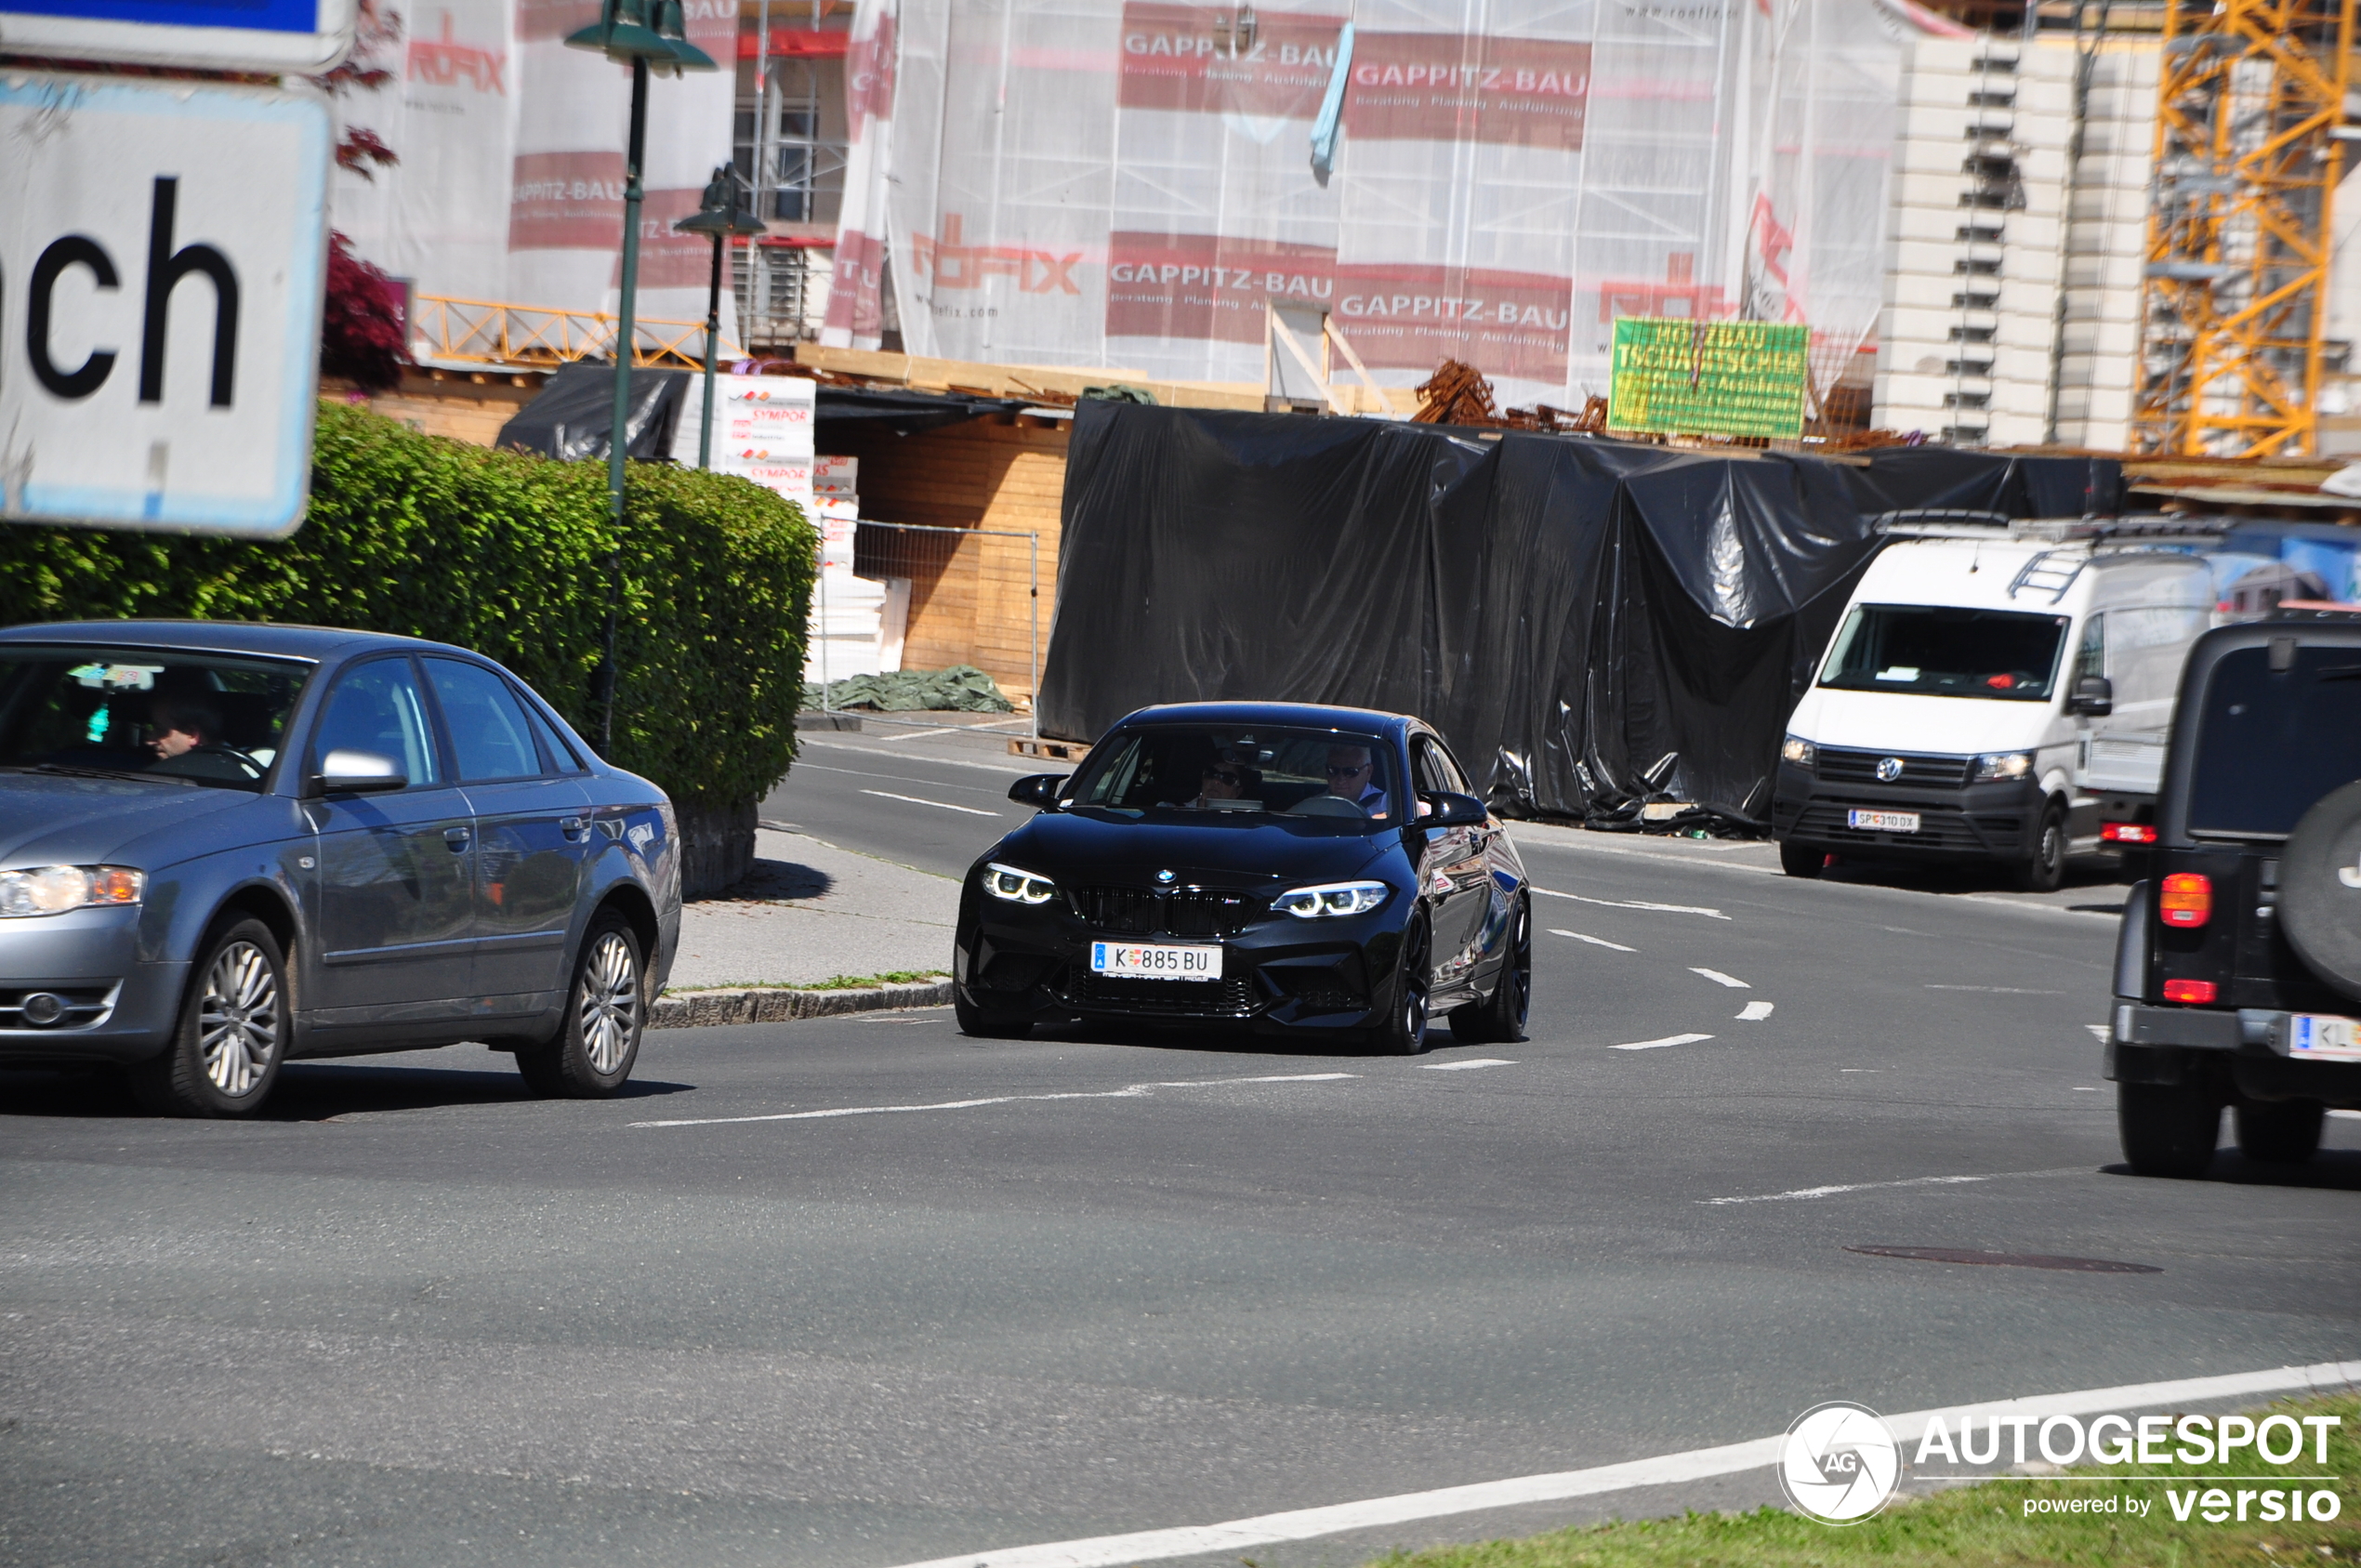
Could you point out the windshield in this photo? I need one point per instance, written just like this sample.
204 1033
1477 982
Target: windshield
193 718
1937 651
2267 746
1242 773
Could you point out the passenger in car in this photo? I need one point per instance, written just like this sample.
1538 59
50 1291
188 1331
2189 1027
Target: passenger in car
178 726
1226 778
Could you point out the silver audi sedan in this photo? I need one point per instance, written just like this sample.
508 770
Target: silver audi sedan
224 846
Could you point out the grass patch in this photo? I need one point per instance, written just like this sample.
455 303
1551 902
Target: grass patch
1978 1525
834 982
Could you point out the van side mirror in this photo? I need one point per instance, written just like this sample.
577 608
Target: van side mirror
1454 810
346 771
1036 789
2093 694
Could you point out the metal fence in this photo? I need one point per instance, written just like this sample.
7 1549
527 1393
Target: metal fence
950 595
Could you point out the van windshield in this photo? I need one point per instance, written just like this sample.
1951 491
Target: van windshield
1939 651
2268 744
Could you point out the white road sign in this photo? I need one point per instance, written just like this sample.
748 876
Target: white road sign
161 268
299 37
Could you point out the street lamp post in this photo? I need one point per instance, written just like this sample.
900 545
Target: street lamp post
720 215
623 34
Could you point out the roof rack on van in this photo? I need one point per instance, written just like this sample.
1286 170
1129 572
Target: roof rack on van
2313 610
1941 522
2163 525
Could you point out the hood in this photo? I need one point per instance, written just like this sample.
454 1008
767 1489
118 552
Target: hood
1079 847
49 820
1899 722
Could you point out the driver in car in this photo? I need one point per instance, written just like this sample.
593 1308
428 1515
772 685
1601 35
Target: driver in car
185 735
1352 776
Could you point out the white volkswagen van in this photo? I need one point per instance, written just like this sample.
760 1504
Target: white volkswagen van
1992 697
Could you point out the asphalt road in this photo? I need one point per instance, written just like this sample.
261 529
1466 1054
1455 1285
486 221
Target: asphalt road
1089 1283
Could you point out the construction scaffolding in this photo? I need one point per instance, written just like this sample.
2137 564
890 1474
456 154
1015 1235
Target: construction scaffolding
2248 150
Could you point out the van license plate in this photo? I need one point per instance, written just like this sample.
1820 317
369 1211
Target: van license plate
2324 1038
1882 821
1156 963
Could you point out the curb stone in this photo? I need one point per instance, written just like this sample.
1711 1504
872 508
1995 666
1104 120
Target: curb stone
701 1010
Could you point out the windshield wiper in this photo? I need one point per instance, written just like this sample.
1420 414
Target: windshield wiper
66 771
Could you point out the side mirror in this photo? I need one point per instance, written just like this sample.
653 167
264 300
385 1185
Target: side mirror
2093 694
1036 789
355 772
1454 810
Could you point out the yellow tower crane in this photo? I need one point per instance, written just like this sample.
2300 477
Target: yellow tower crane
2249 105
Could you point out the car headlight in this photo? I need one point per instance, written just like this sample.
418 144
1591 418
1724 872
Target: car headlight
1006 882
1331 899
2003 765
1797 750
53 890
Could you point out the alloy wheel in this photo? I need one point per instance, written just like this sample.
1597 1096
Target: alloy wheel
610 1002
238 1018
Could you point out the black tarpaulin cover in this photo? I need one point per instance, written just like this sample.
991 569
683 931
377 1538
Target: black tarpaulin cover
571 416
901 409
1566 610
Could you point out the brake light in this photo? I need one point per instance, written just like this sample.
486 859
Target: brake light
2186 900
2190 991
2127 833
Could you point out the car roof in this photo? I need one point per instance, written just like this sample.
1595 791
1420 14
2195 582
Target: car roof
221 637
1301 716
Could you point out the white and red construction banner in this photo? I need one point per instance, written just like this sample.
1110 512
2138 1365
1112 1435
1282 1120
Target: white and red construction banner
509 186
1127 184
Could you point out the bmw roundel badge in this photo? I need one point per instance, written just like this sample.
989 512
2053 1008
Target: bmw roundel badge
1163 877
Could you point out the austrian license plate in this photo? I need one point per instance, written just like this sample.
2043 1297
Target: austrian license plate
1129 962
1882 821
2324 1038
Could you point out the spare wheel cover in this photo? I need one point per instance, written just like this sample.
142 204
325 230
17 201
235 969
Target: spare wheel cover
2319 902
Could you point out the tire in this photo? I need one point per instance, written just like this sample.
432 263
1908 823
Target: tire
1499 1019
1404 1029
2168 1129
606 1008
2044 870
224 1057
986 1023
1802 860
2280 1132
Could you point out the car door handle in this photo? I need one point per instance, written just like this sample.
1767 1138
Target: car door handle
456 837
575 828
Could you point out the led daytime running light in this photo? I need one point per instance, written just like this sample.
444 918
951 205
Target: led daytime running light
1331 899
1014 885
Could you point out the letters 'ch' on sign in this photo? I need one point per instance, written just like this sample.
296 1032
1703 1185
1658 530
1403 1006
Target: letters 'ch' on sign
1716 378
163 258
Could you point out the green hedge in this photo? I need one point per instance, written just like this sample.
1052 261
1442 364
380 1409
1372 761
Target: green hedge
506 554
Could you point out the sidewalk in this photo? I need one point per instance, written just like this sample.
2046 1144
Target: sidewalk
810 912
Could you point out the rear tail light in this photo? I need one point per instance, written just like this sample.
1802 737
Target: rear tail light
2190 991
2186 900
2127 833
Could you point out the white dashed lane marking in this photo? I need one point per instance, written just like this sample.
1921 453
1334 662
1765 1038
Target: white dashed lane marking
1733 982
1133 1091
1637 903
1668 1040
1595 942
1806 1193
938 805
1755 1012
1463 1066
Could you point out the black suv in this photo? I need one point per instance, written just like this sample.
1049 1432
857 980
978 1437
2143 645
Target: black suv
2238 975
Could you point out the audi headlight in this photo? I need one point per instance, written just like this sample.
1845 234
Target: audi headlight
1006 882
1797 750
1331 899
53 890
1999 765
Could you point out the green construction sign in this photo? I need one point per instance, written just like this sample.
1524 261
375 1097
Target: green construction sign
1717 378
